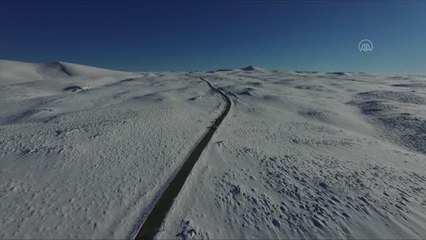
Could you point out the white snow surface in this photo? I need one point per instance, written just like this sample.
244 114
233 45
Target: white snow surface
310 155
85 152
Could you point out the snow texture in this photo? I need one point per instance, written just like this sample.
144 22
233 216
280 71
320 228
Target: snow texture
310 155
85 153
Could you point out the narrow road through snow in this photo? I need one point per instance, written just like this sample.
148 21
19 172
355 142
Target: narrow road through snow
157 215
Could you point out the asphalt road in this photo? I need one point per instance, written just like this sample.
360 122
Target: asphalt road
157 215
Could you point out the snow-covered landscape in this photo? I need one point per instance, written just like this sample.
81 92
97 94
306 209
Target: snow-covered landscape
85 153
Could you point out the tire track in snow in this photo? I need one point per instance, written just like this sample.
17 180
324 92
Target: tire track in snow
158 214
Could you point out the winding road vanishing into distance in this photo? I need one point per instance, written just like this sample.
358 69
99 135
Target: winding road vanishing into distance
157 215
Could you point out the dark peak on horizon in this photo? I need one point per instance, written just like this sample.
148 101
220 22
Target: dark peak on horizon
252 68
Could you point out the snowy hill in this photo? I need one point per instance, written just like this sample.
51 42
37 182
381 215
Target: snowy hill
15 72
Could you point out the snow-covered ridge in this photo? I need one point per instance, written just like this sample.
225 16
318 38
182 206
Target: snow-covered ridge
22 80
23 71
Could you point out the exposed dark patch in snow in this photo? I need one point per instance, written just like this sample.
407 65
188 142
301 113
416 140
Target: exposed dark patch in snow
73 89
337 73
400 97
316 115
410 85
384 108
189 231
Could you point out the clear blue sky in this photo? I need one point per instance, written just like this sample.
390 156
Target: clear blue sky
207 35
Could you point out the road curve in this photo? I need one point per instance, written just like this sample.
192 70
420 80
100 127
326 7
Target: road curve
157 215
